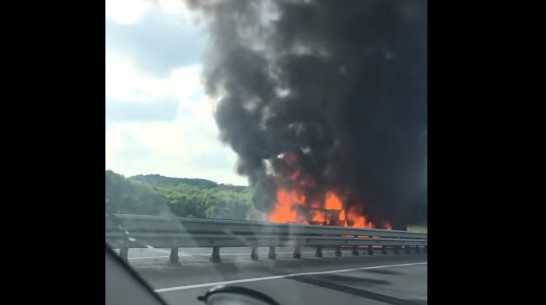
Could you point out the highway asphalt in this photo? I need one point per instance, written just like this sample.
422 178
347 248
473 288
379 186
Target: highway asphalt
399 279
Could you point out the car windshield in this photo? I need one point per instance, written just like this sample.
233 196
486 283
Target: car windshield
278 145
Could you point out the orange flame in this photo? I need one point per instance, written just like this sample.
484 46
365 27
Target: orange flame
332 202
285 210
355 218
292 206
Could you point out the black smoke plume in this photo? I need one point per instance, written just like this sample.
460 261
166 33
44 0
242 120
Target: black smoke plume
343 81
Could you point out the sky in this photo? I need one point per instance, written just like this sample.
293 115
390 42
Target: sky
158 118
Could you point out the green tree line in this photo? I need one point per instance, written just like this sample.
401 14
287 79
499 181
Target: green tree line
159 195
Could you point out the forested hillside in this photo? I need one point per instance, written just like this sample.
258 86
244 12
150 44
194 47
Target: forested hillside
157 195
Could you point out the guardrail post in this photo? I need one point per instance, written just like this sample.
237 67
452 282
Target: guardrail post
383 249
426 249
338 252
215 257
297 252
407 249
370 250
396 249
417 249
173 257
272 254
318 252
355 250
254 254
124 254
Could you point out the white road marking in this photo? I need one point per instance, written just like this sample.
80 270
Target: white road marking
281 277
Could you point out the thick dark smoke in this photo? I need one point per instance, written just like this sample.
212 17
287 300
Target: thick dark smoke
345 81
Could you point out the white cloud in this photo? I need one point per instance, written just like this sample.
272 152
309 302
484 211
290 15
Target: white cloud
172 149
186 147
126 11
177 9
124 81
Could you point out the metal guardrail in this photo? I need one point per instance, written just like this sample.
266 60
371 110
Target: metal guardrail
137 231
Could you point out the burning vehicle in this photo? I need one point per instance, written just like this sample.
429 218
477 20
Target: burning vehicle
300 198
325 106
